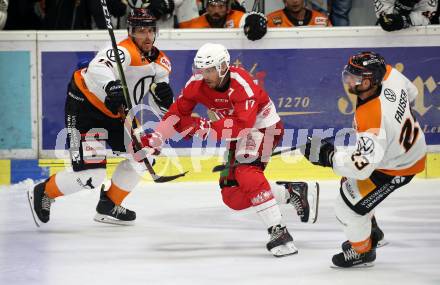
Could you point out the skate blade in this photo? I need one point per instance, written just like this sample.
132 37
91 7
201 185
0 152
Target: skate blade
313 195
110 220
30 196
284 250
382 243
357 266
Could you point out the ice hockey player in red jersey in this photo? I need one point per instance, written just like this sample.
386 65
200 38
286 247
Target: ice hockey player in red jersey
247 118
390 150
92 115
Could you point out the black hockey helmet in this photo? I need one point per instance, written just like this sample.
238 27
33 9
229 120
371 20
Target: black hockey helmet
364 65
141 17
227 3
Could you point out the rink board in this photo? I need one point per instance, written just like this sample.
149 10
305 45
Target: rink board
280 168
300 69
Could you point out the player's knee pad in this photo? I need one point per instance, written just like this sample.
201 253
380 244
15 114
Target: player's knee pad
87 151
127 175
72 181
235 199
356 227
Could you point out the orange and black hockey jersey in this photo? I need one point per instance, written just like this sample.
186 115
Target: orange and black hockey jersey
282 19
235 19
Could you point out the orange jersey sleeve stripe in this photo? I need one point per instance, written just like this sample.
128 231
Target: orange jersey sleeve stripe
79 81
417 167
369 117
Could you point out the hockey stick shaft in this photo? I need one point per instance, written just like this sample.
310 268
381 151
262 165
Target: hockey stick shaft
131 123
221 167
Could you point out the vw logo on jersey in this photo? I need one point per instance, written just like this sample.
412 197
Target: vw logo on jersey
111 55
365 145
389 94
141 88
398 180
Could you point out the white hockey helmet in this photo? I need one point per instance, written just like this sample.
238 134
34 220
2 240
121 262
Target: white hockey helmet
212 55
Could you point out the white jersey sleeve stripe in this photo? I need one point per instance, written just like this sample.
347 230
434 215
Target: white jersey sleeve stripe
242 82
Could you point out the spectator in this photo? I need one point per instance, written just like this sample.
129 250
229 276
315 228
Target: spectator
169 12
21 15
78 14
3 13
340 10
220 15
394 15
296 14
235 5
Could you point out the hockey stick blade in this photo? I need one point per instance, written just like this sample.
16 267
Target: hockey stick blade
163 179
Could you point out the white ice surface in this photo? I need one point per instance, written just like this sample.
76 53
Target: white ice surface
185 235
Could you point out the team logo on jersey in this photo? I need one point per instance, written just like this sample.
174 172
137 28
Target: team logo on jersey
365 146
141 88
229 24
389 94
111 55
398 180
164 61
321 21
277 21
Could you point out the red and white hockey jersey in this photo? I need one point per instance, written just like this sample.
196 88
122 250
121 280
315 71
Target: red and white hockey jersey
389 139
244 105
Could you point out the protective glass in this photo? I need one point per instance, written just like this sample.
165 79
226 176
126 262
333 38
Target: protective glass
351 79
204 71
144 32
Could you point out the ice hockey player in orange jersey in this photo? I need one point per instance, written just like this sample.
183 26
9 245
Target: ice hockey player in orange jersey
92 116
220 15
296 14
390 150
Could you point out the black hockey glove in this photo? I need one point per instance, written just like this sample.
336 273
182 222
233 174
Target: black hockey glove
162 95
404 7
394 22
318 152
115 96
159 8
255 26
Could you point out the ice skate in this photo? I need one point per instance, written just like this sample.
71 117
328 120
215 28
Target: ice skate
350 258
39 203
281 242
305 198
108 212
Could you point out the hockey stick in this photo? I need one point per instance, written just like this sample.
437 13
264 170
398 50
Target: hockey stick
221 167
131 121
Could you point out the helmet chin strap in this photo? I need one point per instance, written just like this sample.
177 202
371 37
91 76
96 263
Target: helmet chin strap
222 78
